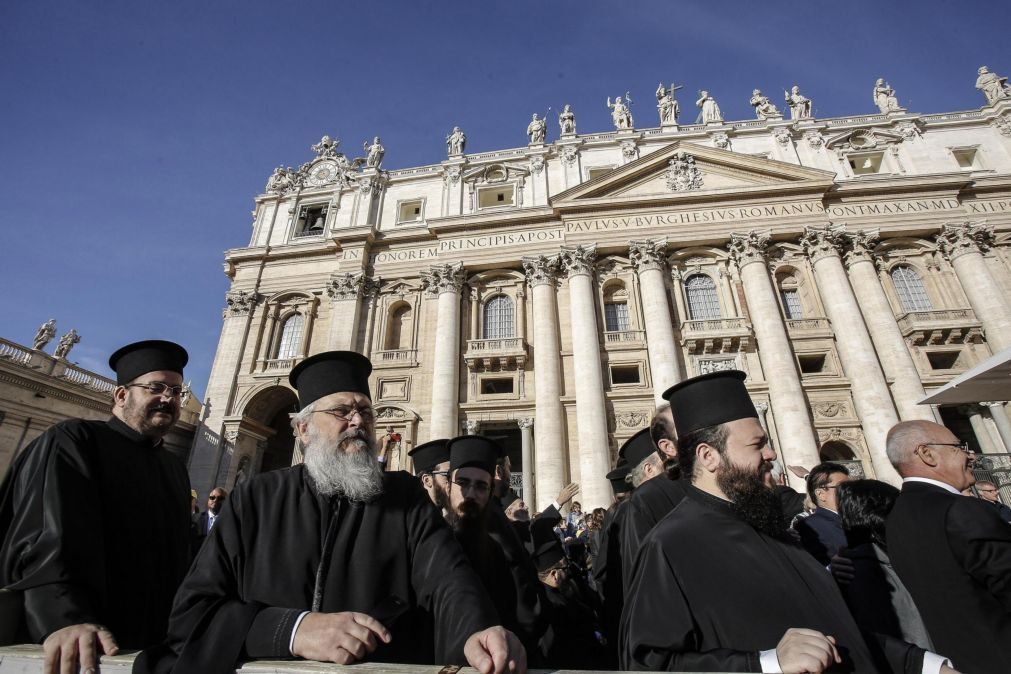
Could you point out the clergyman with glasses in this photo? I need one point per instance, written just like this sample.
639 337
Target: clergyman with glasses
333 559
953 553
95 521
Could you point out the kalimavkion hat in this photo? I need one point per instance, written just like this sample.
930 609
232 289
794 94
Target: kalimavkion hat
709 400
637 448
330 372
476 451
429 455
617 477
151 355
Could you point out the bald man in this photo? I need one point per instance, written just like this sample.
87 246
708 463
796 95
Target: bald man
953 553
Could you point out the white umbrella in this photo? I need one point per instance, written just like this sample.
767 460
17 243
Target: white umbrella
990 380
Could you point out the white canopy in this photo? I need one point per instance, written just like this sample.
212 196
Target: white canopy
990 380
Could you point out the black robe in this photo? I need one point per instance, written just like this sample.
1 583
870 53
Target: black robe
607 576
647 505
257 569
709 592
572 640
94 519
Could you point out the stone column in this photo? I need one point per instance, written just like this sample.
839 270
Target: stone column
648 259
345 291
527 439
591 412
907 389
979 429
853 343
1000 419
549 433
798 444
446 282
964 244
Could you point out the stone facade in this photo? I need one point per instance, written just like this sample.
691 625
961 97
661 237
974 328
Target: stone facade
38 390
549 294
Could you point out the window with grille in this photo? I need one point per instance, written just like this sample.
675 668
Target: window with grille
616 317
291 337
791 303
703 303
499 321
909 287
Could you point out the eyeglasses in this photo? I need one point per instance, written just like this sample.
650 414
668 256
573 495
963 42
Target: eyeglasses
212 497
465 484
443 473
160 389
347 413
962 446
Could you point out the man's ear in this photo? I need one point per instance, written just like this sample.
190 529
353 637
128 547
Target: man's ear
119 395
302 431
669 448
927 455
427 481
708 457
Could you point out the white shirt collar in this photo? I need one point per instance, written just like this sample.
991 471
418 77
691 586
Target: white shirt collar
943 485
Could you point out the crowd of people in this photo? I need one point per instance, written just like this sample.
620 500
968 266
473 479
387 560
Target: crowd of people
706 560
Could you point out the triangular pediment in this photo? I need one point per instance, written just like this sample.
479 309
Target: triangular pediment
685 170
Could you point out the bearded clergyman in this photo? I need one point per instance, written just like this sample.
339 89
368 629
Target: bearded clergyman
332 560
719 585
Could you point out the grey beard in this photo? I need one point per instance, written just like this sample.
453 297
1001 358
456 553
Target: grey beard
355 475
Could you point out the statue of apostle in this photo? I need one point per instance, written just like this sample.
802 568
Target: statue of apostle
993 86
567 121
66 343
764 109
44 335
710 110
374 153
800 106
884 97
456 141
621 116
536 130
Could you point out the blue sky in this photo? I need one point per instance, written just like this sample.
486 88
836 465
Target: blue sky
134 135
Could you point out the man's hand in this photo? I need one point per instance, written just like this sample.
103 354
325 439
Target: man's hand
799 471
842 568
495 650
567 492
802 650
76 644
344 638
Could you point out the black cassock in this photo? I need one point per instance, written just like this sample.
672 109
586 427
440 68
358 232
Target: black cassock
647 505
94 520
257 571
709 592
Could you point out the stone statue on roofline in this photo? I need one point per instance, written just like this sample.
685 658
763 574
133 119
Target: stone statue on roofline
764 109
800 106
456 142
374 153
993 86
44 334
66 343
536 130
667 105
710 110
621 116
567 121
884 97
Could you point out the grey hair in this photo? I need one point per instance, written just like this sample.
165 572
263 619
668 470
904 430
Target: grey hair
902 440
302 416
637 475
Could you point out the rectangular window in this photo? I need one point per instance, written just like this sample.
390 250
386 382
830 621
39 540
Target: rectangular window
811 363
866 164
616 317
624 374
497 386
410 211
492 197
311 221
791 304
943 360
967 158
597 171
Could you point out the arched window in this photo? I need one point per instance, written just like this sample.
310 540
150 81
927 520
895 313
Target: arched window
909 287
702 300
399 330
836 450
499 320
291 337
790 297
616 316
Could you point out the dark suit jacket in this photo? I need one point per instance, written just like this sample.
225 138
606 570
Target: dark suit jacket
953 553
821 534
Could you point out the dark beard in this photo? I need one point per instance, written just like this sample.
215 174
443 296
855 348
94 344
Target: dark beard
751 501
471 521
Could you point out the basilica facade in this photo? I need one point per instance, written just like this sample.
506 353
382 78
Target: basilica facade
548 294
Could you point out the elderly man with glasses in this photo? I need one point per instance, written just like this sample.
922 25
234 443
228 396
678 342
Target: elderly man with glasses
988 492
95 520
332 560
952 553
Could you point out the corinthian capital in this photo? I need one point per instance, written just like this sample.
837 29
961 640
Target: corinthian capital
240 302
541 270
749 247
443 278
345 286
860 246
822 242
578 260
648 254
956 240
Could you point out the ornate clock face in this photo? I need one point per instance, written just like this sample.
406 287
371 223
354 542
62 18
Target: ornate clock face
324 172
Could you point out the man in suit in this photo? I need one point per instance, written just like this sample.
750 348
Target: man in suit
205 521
821 533
988 492
953 553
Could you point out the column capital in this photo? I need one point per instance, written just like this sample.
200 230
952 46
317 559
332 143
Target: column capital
541 270
648 254
749 247
860 246
443 278
822 242
762 407
992 403
578 260
345 285
958 239
525 422
240 302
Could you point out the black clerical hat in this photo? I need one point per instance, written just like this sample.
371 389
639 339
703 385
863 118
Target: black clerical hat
151 355
548 549
508 499
637 448
617 477
429 455
709 400
330 372
475 451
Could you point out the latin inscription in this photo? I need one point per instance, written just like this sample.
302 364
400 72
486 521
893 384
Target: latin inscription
496 240
997 206
893 208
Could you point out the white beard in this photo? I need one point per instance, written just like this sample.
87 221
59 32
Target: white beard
350 469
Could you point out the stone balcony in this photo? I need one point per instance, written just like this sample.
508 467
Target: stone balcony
717 335
504 353
807 328
617 340
942 326
395 358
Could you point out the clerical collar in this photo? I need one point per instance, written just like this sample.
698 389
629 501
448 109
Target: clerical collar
937 483
712 500
121 427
